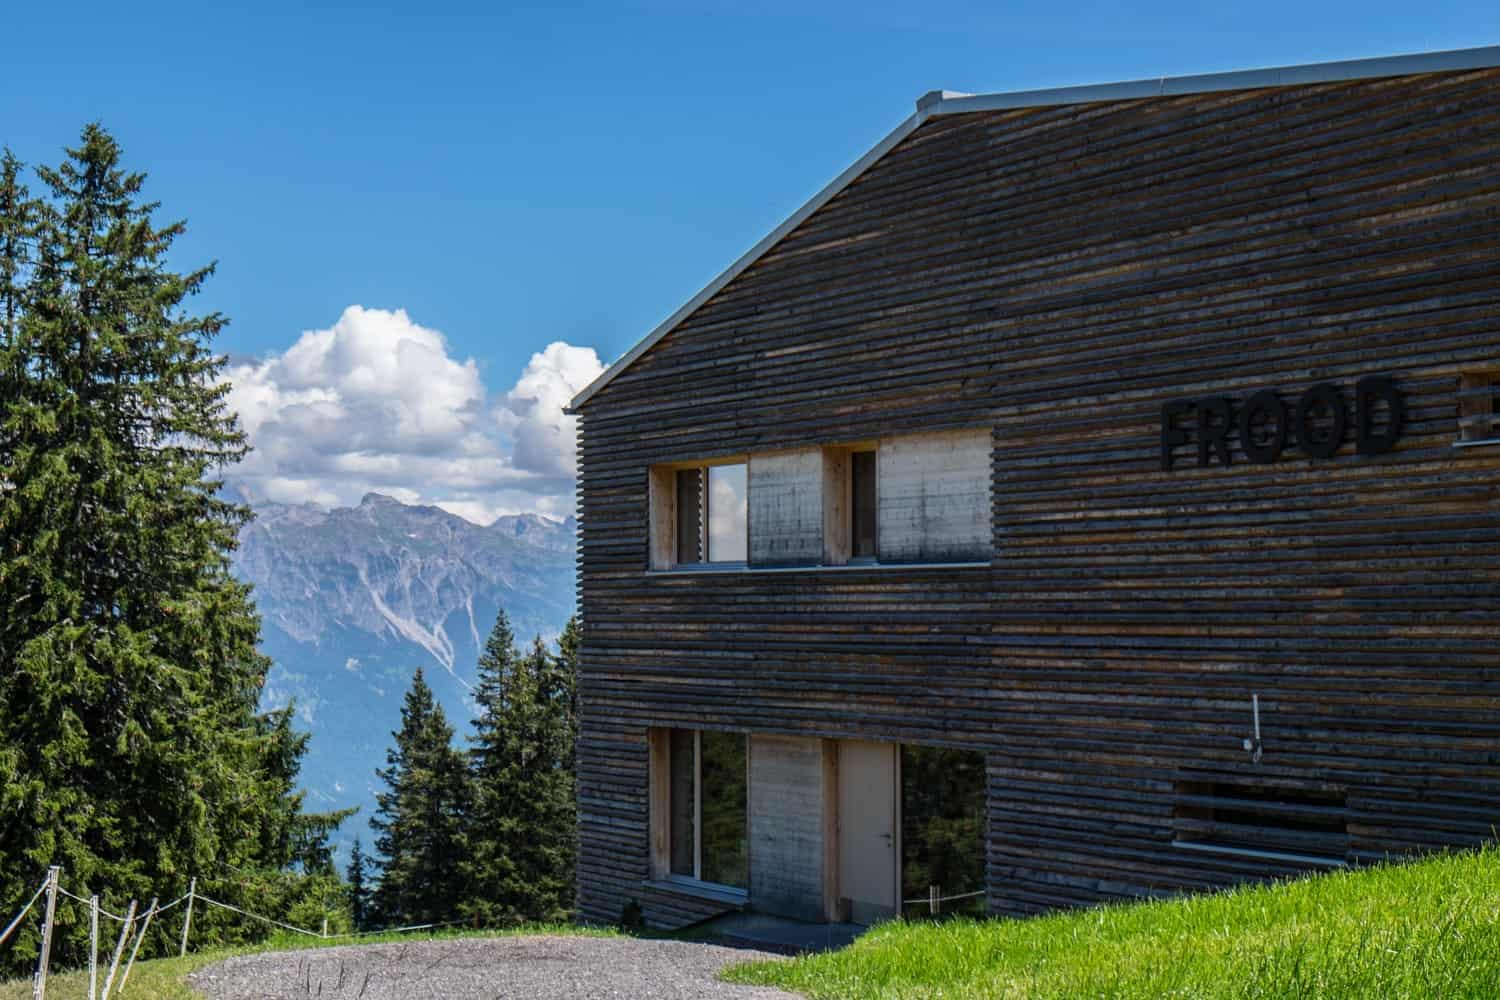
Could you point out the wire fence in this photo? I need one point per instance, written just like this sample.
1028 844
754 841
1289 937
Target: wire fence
935 900
133 928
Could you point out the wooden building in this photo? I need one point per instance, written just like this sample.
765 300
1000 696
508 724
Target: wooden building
1077 433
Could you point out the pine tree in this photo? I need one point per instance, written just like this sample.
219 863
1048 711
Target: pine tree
132 751
420 818
522 833
358 875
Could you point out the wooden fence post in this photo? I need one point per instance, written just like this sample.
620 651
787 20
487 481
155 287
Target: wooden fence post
93 946
933 902
187 918
114 964
39 981
136 948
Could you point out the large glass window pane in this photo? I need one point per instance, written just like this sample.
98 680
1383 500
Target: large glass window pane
724 808
690 516
942 827
728 513
684 806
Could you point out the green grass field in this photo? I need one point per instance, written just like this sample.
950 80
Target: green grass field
1429 929
166 978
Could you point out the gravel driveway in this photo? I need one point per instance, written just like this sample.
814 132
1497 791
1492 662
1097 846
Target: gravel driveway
528 968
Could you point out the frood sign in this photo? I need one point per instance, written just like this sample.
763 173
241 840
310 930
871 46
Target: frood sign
1318 420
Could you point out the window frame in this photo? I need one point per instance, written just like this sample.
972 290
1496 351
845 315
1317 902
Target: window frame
660 800
837 501
838 504
1478 403
662 515
1270 820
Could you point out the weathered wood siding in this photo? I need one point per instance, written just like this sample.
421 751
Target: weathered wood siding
1057 275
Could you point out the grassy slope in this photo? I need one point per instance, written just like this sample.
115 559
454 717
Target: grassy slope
166 978
1429 929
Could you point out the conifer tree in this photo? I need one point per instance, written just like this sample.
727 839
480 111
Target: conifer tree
522 831
358 875
132 750
489 869
420 818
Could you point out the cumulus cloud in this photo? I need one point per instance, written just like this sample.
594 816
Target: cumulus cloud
376 402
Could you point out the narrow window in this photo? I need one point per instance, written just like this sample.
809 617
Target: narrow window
699 515
1479 407
862 514
1295 825
705 807
690 516
684 799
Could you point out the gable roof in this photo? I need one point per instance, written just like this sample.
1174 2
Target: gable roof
947 102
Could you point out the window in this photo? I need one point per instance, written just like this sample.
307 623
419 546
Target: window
942 830
699 514
1300 825
862 505
700 806
1479 407
912 498
728 507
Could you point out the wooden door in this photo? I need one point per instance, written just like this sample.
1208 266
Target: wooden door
868 830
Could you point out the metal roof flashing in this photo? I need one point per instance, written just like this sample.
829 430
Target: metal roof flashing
946 102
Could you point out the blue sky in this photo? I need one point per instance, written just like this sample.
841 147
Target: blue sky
519 176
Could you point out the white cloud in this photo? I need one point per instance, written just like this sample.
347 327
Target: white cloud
376 403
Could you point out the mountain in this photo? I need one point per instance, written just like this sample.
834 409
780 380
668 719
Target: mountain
354 599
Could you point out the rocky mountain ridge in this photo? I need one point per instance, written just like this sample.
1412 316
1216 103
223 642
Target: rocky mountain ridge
354 599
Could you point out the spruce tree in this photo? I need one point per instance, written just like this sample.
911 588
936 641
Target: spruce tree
420 818
358 875
522 834
132 751
489 870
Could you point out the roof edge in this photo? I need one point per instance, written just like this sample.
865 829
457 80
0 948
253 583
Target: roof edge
943 102
1487 57
750 256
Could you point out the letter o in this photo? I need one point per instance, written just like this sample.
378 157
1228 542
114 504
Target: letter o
1266 403
1324 394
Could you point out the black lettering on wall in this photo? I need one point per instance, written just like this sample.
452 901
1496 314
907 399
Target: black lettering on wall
1265 423
1373 396
1214 420
1263 427
1323 404
1171 434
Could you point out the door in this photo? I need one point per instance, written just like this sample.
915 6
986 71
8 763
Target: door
868 830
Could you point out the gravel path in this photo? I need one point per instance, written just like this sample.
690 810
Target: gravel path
527 968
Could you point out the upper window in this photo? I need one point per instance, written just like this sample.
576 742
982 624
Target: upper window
728 510
699 515
1479 407
912 498
862 504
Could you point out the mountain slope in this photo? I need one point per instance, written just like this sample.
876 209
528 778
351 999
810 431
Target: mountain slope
354 599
